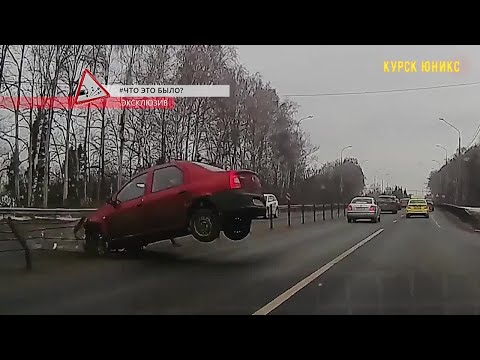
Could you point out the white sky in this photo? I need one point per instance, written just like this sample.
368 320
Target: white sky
396 132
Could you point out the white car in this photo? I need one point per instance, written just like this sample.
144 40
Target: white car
271 199
363 207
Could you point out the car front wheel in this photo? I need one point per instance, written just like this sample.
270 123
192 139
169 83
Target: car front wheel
96 244
205 225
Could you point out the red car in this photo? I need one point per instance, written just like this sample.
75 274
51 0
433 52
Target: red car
173 200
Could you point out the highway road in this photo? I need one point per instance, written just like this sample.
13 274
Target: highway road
398 266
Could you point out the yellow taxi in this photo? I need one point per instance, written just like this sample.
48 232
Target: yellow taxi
417 206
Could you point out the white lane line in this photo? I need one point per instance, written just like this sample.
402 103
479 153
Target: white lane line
394 221
436 222
279 300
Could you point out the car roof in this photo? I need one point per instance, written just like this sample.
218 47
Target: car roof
363 197
179 163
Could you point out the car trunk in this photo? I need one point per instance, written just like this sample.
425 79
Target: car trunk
361 207
250 182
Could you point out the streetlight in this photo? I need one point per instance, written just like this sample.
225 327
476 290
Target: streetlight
459 135
446 152
341 152
459 182
306 117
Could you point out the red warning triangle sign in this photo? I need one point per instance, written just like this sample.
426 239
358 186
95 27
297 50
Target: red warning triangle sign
89 89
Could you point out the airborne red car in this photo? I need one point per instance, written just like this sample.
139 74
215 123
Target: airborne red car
173 200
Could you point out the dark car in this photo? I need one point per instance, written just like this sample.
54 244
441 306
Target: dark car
388 203
174 200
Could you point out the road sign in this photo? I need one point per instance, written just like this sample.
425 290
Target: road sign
89 89
288 197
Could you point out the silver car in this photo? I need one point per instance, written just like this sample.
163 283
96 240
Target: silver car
363 208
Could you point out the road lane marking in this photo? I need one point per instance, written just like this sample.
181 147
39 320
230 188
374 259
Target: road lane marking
279 300
436 222
394 221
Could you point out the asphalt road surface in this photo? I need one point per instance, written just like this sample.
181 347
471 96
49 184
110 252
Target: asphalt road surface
398 266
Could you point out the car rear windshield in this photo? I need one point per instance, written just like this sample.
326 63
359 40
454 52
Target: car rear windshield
361 201
209 167
418 202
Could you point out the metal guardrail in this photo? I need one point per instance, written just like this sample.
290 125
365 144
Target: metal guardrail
467 214
38 224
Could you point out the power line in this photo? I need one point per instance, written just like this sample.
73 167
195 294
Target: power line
366 92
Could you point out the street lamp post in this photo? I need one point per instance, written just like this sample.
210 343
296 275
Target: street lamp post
459 181
341 169
446 152
305 118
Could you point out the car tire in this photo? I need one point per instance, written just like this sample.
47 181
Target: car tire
237 228
408 216
395 211
134 249
349 220
379 218
375 220
96 244
205 225
277 213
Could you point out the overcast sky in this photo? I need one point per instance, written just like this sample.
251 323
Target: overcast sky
396 132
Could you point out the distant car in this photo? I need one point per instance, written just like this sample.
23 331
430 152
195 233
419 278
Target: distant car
173 200
271 201
404 202
431 205
417 206
388 203
363 207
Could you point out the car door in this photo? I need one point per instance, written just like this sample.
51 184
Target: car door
275 204
128 218
166 203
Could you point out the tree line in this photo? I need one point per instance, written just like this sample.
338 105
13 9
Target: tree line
78 157
456 182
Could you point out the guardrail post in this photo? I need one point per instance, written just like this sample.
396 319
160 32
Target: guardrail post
338 210
323 211
22 241
271 216
314 213
303 214
331 211
288 213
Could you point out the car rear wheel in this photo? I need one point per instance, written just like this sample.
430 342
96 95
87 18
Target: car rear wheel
134 249
205 225
277 212
237 228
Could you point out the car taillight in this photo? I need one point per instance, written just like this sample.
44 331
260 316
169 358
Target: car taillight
372 208
349 208
234 181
